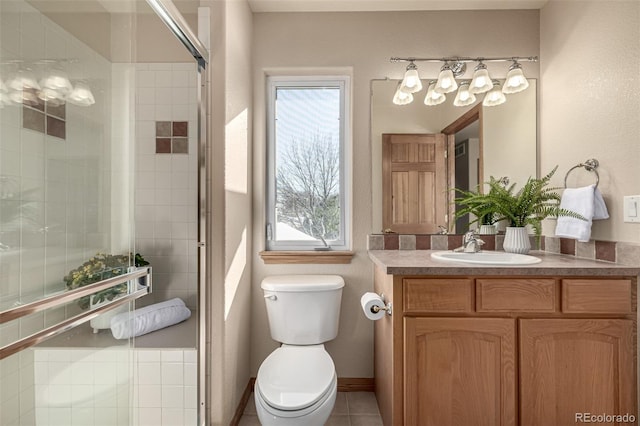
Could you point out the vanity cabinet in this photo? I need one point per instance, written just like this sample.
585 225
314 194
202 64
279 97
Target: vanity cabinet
505 351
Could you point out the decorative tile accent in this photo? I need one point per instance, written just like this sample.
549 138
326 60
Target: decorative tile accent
163 145
180 128
180 146
407 242
163 128
375 242
423 242
606 250
167 131
552 244
391 242
489 242
628 254
586 250
454 241
439 242
568 246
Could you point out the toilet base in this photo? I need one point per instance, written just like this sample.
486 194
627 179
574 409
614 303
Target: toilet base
268 416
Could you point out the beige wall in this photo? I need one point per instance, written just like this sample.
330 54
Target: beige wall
363 42
590 80
229 191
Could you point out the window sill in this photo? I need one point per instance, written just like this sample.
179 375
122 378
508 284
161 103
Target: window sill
306 257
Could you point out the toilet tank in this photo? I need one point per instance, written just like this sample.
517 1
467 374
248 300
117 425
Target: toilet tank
303 309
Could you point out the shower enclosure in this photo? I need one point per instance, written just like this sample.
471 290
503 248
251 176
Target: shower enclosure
77 147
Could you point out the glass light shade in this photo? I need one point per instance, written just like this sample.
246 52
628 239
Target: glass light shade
24 79
3 87
446 81
81 95
26 97
515 81
50 95
481 82
464 97
57 81
433 98
411 82
401 97
494 96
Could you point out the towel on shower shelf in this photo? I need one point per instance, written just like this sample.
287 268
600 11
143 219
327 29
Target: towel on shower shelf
148 319
586 201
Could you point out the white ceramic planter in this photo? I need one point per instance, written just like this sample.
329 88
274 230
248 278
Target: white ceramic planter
487 230
516 240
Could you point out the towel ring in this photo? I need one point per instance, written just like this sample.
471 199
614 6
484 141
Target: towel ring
590 165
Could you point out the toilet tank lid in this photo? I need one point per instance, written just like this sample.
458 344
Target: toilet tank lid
298 283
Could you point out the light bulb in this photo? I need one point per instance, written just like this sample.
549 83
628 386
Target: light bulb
464 97
515 81
401 97
494 96
446 81
58 82
433 98
481 82
411 82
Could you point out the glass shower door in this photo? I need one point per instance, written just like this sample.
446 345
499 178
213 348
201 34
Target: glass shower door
66 212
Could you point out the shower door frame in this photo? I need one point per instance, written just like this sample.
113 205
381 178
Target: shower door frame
171 16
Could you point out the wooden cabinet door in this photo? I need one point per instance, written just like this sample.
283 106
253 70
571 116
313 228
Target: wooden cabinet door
414 188
570 366
459 372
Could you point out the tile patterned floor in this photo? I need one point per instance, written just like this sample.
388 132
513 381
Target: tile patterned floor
351 409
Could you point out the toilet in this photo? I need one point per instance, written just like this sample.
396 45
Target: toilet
297 382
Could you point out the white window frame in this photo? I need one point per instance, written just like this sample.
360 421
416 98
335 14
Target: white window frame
344 83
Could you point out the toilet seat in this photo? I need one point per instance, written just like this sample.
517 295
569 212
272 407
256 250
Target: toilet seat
294 378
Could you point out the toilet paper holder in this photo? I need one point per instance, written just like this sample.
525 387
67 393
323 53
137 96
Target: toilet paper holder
387 306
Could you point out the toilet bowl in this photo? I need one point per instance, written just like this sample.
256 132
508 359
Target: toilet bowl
297 383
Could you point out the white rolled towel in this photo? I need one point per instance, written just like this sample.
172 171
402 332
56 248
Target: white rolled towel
148 319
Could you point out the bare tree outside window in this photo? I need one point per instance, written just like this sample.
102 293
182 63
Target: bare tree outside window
308 186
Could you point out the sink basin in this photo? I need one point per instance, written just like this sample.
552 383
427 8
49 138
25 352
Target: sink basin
486 258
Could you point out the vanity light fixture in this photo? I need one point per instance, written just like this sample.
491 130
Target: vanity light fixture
495 96
481 82
446 80
464 96
411 82
515 81
454 67
401 97
81 95
433 98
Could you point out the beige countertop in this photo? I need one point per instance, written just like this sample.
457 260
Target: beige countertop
419 262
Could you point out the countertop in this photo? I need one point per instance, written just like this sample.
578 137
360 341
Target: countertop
419 262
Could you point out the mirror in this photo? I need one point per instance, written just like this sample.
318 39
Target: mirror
502 142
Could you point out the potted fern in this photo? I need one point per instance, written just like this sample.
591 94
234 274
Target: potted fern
530 205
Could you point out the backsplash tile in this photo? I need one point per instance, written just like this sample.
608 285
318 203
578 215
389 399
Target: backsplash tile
610 251
606 250
568 246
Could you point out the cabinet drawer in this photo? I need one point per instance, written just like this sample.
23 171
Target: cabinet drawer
516 295
596 296
438 295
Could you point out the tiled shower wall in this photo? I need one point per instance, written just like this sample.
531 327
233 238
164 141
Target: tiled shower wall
166 182
93 387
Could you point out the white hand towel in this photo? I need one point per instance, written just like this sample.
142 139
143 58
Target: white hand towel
148 319
600 210
581 201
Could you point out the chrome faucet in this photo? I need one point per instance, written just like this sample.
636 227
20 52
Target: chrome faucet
470 243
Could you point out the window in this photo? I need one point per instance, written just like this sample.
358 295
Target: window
308 200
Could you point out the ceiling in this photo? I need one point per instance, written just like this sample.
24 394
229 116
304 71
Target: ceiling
388 5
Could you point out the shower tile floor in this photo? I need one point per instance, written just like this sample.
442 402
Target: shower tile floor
351 409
